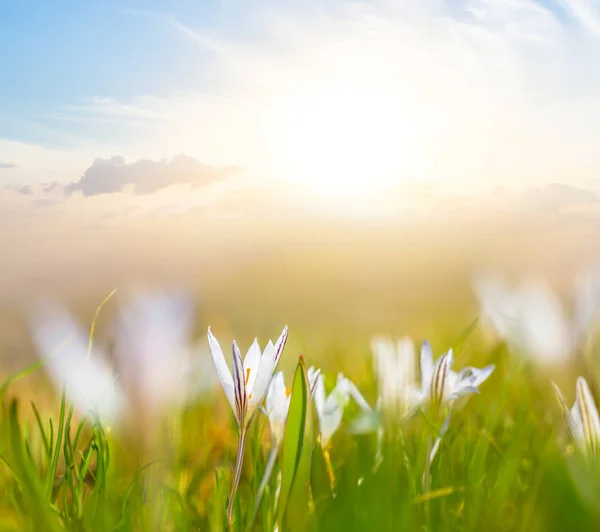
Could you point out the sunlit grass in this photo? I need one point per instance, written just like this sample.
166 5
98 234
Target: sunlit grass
505 462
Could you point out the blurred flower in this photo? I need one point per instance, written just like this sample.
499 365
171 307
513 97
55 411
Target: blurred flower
152 351
278 404
83 374
582 420
439 384
531 317
330 408
395 371
251 377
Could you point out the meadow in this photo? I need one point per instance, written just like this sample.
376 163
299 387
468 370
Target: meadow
506 459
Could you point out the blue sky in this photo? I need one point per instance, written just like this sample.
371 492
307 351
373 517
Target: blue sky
57 54
469 92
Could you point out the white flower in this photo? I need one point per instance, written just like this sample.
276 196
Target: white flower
582 420
152 357
330 408
395 372
85 376
251 377
532 319
278 404
153 352
439 384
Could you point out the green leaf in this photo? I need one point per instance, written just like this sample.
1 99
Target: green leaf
465 335
297 455
320 481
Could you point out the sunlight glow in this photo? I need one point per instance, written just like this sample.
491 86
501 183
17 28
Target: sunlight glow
344 140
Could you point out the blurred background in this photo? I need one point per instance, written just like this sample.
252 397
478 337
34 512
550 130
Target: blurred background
344 167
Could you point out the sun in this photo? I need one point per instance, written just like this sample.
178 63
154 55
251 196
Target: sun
343 141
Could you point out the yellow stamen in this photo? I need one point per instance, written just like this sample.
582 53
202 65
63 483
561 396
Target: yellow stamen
247 375
288 392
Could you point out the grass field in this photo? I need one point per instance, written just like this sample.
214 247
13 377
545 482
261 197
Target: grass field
506 461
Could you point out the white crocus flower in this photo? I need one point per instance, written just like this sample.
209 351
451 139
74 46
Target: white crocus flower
531 318
246 390
395 372
278 404
152 358
439 384
330 408
582 420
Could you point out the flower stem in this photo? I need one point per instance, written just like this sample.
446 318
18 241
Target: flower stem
265 480
238 473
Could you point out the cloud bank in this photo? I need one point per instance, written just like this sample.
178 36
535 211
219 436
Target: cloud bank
113 174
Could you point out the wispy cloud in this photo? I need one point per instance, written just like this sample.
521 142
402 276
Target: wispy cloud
7 165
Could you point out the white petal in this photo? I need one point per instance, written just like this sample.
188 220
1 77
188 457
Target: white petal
587 302
222 370
88 380
251 365
239 386
280 344
426 365
384 356
566 413
542 327
319 395
313 375
589 415
153 351
263 378
471 376
354 393
330 418
577 426
405 356
481 375
439 382
277 406
462 390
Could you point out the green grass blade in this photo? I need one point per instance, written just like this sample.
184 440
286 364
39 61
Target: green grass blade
297 455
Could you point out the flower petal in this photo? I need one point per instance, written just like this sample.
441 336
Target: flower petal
313 375
589 416
277 406
152 349
280 344
86 378
239 386
565 410
350 388
251 364
439 381
426 365
319 394
331 414
221 368
263 378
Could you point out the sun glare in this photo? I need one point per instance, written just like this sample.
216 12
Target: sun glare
342 141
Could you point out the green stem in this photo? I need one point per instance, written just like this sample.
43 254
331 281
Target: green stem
265 480
238 473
